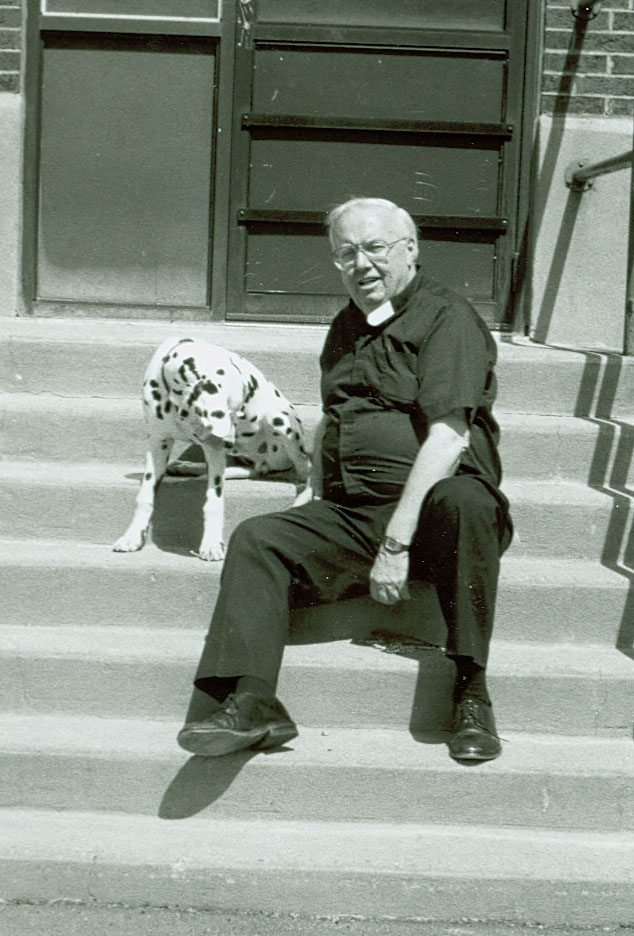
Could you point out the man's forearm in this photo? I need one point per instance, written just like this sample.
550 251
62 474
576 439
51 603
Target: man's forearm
438 458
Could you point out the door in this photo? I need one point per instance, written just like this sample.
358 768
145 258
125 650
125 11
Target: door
122 155
417 101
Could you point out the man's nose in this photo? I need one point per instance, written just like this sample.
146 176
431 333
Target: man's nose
361 261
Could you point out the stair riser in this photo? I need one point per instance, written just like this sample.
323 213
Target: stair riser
100 514
285 791
138 596
527 384
322 696
74 436
341 893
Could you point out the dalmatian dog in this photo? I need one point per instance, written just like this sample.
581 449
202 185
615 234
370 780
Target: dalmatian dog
202 393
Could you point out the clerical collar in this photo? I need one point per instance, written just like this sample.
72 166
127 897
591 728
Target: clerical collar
391 308
381 314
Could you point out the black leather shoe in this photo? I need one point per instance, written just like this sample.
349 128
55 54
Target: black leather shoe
243 721
474 735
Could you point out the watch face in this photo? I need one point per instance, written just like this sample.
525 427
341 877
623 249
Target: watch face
393 546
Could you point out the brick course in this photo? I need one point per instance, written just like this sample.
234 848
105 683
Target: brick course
589 71
10 44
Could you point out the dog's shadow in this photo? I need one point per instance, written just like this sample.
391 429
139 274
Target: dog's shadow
177 520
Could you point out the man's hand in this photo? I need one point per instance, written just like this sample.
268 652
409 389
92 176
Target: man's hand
388 578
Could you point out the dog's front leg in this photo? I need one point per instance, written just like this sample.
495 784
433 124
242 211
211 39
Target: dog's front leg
212 547
155 465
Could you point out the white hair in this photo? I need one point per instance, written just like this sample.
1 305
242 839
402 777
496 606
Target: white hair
368 204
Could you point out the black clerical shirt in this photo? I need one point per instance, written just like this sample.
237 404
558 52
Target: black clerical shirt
382 385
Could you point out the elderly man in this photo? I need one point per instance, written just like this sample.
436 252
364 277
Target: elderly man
404 486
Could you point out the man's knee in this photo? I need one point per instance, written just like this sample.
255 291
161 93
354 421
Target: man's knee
461 496
253 532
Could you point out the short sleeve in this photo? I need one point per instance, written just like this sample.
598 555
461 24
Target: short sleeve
454 364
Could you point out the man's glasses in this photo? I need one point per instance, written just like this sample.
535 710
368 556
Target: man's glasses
345 257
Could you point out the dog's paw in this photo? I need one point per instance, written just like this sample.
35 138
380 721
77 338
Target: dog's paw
210 552
130 542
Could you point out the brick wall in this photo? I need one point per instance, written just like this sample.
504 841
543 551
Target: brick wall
589 71
10 44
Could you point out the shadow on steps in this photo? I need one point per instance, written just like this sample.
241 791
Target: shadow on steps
414 630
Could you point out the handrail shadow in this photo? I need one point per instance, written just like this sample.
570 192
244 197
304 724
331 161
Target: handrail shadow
610 474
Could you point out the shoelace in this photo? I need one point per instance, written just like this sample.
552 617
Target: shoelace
468 710
227 712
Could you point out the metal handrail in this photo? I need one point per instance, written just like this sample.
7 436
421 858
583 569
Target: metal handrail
579 177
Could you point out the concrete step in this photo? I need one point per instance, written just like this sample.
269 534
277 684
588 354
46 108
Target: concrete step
77 918
45 427
62 762
372 869
124 672
94 504
539 600
107 359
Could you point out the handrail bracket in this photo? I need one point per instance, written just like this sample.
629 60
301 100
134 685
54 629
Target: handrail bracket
573 181
585 9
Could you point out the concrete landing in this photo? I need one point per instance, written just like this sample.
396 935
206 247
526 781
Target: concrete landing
57 918
372 869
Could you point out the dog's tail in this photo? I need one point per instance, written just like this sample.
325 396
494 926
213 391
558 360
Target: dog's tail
239 472
180 468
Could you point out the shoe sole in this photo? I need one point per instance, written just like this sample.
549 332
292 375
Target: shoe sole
219 742
474 757
276 737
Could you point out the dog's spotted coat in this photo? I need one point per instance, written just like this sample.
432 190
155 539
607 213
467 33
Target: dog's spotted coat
202 393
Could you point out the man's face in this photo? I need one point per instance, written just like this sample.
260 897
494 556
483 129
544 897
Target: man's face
373 282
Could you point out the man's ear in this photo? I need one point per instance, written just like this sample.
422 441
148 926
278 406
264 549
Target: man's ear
412 250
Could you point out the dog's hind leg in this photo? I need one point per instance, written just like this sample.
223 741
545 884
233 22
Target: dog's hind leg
293 442
212 547
155 465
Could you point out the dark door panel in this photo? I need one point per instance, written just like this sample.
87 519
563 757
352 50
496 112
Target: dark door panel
392 83
447 14
126 165
289 274
433 180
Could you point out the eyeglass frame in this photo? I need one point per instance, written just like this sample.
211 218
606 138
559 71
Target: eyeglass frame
342 265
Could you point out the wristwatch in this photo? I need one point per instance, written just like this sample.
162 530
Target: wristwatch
392 546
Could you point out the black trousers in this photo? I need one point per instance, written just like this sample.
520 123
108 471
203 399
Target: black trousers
323 551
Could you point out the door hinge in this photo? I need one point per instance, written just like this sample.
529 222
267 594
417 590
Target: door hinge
246 15
516 271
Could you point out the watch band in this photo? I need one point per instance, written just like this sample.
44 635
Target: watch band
393 546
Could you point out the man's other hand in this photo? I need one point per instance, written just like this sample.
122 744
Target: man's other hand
388 578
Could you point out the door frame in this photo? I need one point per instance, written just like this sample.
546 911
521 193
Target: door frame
232 92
